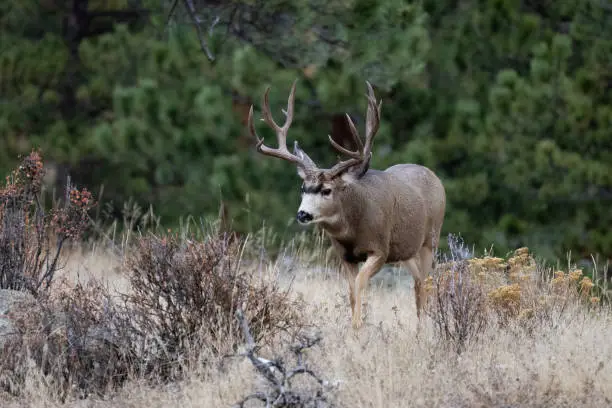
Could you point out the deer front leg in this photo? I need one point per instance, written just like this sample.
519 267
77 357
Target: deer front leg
371 266
350 273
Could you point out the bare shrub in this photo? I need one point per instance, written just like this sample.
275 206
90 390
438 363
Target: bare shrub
31 240
184 295
66 340
457 304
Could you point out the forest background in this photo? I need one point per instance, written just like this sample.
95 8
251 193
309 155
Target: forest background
509 101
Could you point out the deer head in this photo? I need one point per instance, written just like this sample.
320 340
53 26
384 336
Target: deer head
321 188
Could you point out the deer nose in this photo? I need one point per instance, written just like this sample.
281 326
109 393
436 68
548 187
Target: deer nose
303 217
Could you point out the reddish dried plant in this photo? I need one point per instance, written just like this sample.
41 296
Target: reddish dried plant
31 240
72 220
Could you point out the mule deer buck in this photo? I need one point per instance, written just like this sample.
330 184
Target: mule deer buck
370 216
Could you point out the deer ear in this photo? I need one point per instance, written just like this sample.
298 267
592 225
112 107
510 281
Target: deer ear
348 177
359 170
308 163
356 172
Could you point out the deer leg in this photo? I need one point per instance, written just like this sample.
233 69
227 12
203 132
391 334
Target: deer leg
371 266
417 275
426 255
420 296
350 273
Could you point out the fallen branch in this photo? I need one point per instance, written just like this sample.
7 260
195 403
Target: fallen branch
279 378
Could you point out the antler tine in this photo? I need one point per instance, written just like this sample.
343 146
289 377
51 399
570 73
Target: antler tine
282 152
356 156
252 129
372 120
363 154
355 134
290 105
267 114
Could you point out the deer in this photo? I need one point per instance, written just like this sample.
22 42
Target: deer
372 217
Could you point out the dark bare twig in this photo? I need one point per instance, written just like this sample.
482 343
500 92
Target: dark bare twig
196 22
212 26
172 10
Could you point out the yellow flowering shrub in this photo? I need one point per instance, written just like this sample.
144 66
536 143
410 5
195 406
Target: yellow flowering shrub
519 289
506 300
521 266
488 271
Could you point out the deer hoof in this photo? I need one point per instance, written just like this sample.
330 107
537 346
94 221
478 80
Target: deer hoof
357 323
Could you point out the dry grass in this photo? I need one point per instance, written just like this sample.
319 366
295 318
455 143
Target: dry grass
393 363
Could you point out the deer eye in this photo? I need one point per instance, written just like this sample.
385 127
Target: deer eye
326 191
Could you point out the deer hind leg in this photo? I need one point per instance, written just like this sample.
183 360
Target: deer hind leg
350 273
371 266
414 266
426 258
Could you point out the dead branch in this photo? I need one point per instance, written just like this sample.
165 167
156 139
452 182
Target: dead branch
279 378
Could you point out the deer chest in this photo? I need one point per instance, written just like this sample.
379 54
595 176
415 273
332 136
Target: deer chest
350 254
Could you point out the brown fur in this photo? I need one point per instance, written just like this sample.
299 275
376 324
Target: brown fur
371 216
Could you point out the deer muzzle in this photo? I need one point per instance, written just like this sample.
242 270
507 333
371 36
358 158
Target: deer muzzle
303 217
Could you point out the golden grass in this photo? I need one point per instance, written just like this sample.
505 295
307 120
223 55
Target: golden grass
82 264
391 362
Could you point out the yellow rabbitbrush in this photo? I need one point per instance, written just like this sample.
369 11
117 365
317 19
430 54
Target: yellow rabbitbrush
520 289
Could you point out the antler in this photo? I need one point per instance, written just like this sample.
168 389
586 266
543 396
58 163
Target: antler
281 132
364 152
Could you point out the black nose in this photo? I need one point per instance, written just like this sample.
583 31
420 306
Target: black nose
303 216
